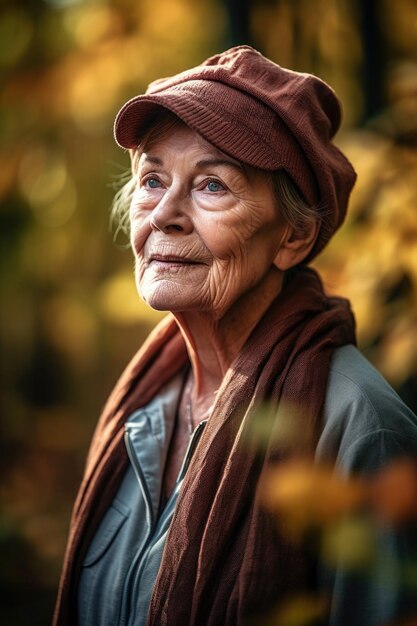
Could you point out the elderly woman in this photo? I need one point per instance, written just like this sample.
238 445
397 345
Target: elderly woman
236 187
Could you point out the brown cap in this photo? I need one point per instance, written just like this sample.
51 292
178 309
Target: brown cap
260 114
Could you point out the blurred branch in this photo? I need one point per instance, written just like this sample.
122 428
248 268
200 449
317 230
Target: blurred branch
238 12
374 57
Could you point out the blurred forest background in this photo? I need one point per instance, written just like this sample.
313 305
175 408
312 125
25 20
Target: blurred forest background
70 317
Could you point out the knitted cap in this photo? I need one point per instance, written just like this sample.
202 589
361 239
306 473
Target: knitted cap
260 114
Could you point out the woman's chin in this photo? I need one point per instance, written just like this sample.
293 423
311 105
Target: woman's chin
156 302
166 299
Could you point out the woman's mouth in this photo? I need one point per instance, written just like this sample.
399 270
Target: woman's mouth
171 262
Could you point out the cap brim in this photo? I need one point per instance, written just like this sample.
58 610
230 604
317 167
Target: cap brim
195 105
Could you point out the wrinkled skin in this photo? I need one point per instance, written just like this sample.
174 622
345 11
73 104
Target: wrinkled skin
205 230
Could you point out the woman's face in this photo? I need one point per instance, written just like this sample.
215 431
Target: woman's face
204 230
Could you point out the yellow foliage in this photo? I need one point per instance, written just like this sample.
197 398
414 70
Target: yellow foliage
373 261
349 544
119 301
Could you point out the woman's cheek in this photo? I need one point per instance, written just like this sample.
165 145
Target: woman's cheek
225 243
143 202
140 277
140 230
138 236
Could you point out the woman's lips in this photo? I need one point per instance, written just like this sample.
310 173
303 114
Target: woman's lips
170 259
168 262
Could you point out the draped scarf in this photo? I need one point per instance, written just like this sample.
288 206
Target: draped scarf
225 557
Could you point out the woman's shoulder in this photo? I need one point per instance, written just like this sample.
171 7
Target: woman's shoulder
363 417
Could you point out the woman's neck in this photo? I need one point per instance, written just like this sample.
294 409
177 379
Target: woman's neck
213 344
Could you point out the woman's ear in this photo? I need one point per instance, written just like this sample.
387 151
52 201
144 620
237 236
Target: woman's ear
296 245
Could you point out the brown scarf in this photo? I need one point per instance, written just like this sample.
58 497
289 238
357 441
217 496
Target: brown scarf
224 557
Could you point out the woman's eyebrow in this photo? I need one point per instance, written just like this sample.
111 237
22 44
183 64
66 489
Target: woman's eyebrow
214 161
153 159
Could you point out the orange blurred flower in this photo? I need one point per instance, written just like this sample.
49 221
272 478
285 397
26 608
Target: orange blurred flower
393 492
307 495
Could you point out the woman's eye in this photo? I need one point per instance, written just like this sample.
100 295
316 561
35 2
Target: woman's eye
214 186
152 183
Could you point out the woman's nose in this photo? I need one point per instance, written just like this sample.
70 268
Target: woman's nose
171 214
